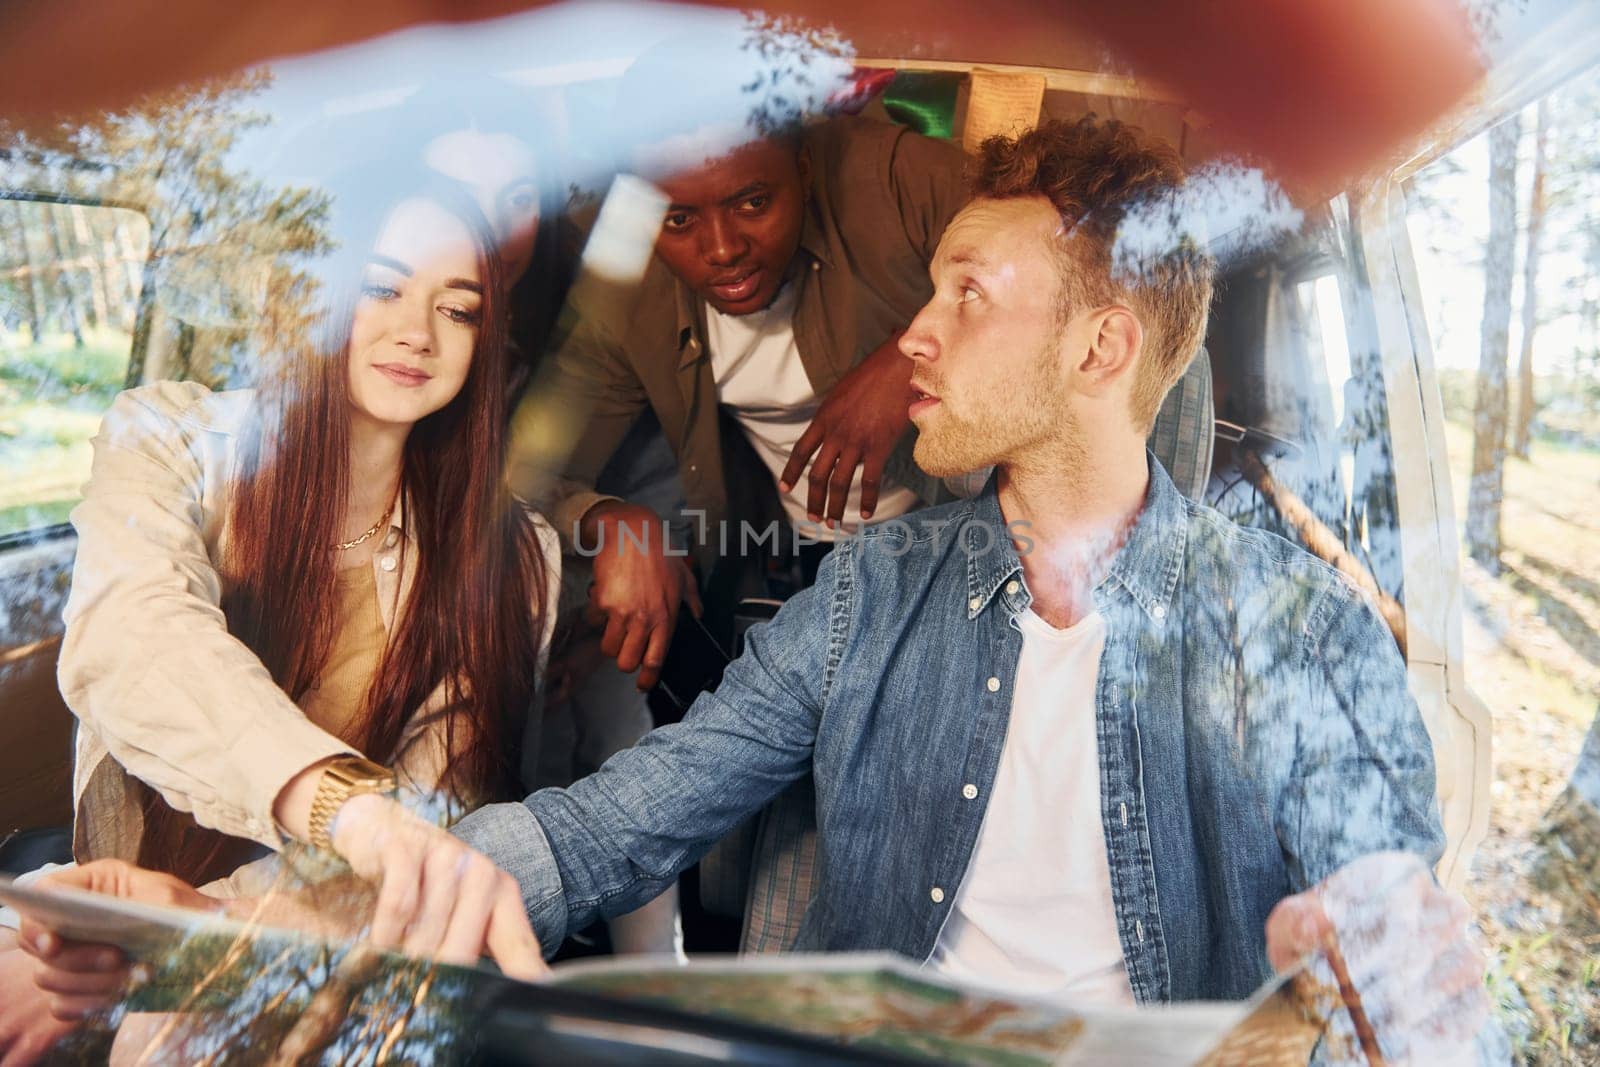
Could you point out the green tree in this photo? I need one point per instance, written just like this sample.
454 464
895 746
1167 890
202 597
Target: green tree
17 261
218 233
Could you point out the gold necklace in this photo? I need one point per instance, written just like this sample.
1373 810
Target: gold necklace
345 546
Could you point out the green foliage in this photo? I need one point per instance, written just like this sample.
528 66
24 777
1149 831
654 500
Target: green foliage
20 518
55 369
219 257
219 236
1567 406
52 395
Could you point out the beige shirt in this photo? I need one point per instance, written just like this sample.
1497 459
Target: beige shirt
161 689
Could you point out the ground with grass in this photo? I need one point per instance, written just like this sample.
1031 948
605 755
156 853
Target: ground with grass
1532 644
52 396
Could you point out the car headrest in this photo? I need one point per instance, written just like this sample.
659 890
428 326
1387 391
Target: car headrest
1184 433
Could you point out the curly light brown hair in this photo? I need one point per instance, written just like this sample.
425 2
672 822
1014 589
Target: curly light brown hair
1095 172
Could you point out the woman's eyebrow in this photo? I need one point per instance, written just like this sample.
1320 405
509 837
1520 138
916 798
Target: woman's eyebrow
400 268
393 264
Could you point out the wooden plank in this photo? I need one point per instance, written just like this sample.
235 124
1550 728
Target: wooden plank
1090 83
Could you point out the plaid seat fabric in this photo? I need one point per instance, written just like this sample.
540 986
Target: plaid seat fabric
725 870
1183 435
781 860
783 874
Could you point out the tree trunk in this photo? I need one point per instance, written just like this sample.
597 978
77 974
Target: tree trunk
94 271
1489 412
37 307
70 262
1530 288
319 1023
133 264
63 277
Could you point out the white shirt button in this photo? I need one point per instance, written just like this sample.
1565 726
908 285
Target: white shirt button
993 684
1159 611
389 542
815 265
1138 928
937 894
1012 587
969 791
975 603
388 563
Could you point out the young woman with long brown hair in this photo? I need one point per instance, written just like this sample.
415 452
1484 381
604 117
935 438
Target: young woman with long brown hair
292 603
273 582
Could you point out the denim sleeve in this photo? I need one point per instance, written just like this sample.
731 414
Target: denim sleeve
1363 778
617 838
510 836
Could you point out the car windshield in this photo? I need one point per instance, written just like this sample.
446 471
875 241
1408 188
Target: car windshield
329 346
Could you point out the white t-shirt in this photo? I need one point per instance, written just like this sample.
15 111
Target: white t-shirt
1034 912
756 365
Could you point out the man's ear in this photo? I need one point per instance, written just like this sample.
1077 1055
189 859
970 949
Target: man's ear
1114 341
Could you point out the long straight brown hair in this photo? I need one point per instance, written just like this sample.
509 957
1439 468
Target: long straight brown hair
474 616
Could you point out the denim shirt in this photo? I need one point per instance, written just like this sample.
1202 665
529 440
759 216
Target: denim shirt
1254 731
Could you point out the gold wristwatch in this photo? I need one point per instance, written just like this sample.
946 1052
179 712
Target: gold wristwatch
343 778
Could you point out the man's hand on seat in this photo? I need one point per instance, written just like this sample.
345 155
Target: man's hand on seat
857 425
636 589
1404 944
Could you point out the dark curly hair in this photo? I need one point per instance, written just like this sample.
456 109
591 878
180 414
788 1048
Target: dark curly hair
1095 173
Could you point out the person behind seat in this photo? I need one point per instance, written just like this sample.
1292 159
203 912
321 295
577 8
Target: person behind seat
325 571
786 266
828 232
485 132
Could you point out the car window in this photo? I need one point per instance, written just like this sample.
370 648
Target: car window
1304 447
70 277
1505 233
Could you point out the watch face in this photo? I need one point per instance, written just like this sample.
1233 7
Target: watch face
363 771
